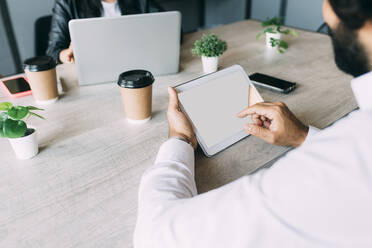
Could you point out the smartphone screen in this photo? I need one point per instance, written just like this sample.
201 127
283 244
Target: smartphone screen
17 85
272 82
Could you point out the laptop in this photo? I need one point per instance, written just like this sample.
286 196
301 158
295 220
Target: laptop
105 47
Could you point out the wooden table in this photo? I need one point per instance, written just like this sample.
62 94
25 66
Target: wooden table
81 190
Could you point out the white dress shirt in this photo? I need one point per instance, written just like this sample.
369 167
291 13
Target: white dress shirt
110 9
319 195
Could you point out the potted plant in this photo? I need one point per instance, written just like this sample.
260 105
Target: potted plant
210 47
12 126
273 31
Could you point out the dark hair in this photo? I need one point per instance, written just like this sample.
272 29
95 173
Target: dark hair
93 8
353 13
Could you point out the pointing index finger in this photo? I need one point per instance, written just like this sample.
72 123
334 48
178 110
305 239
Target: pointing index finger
259 109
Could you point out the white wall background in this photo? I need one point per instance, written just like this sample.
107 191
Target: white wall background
304 14
6 62
23 14
261 9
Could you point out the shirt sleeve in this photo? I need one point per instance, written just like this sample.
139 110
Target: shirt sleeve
171 214
171 178
168 203
172 175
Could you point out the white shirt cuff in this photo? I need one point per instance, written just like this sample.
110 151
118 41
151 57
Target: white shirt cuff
176 150
312 131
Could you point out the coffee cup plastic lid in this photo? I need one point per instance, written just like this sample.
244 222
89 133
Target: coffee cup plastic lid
135 79
41 63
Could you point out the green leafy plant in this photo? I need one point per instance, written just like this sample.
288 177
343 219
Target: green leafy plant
12 124
274 26
281 45
209 46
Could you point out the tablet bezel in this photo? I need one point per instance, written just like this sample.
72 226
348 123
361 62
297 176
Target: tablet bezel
211 151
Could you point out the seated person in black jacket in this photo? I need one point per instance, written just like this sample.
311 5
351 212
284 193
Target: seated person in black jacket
59 46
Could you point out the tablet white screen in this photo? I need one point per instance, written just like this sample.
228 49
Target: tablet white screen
213 107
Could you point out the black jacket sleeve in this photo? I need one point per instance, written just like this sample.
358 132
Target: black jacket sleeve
59 36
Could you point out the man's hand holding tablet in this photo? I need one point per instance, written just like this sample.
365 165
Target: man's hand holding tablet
272 122
179 125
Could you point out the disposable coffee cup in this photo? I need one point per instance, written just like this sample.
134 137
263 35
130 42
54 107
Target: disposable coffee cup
136 92
41 75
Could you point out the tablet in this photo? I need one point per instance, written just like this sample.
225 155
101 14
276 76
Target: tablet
212 103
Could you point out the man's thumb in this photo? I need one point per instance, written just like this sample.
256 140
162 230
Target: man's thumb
257 131
173 98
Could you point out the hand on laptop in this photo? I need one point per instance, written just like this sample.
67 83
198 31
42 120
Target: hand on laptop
275 123
67 55
179 125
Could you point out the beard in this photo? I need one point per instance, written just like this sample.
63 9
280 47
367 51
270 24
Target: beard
350 55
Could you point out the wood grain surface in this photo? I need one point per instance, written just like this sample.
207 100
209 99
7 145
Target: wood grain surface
81 190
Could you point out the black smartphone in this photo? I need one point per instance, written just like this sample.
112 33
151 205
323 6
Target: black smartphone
272 83
16 86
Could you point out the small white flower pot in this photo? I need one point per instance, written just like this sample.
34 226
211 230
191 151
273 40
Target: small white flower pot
25 147
268 38
210 64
